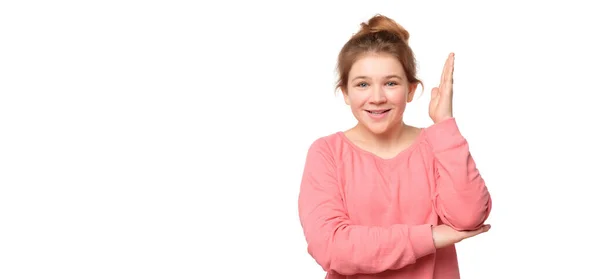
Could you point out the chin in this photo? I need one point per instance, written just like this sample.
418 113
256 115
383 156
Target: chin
381 127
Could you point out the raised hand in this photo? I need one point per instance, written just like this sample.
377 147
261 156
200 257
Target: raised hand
443 235
440 106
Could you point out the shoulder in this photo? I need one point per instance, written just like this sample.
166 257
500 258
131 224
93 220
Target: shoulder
331 147
328 144
443 135
420 149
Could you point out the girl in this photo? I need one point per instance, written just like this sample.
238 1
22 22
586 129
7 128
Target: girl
385 199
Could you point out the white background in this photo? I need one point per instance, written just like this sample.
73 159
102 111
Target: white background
166 139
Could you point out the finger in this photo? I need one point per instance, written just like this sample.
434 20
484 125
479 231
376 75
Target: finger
443 77
472 233
447 71
483 229
450 70
435 93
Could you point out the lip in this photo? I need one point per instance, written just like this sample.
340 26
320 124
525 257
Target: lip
378 113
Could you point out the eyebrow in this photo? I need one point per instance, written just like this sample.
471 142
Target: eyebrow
386 77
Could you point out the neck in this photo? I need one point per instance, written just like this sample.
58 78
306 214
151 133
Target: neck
387 141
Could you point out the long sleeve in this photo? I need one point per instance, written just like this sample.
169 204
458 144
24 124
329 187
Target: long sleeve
461 197
335 242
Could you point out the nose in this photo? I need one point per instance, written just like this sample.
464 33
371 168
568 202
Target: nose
378 95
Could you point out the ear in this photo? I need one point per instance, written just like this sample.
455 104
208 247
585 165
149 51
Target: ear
412 88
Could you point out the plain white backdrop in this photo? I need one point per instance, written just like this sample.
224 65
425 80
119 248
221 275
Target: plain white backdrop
166 139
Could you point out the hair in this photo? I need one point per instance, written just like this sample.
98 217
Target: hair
380 34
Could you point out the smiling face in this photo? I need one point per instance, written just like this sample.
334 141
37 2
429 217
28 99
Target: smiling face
377 92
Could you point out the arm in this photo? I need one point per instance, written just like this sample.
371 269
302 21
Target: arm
461 197
339 245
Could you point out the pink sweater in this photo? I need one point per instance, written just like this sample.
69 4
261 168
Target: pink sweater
368 217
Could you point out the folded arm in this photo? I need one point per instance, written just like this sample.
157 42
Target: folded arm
341 246
460 195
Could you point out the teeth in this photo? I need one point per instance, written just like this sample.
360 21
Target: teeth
377 112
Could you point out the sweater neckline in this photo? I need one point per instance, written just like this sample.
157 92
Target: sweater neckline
399 155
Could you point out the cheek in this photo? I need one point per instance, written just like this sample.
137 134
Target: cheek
357 102
398 97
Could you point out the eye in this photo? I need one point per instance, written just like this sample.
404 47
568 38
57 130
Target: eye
391 83
362 84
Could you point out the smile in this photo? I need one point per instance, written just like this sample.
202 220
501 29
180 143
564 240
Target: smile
378 112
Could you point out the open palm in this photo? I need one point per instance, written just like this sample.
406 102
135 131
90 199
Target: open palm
440 106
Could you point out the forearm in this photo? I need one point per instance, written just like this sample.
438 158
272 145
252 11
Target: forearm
461 196
352 249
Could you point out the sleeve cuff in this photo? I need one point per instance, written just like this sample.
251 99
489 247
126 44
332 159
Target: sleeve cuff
444 135
421 238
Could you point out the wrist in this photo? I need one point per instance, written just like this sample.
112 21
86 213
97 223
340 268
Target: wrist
435 236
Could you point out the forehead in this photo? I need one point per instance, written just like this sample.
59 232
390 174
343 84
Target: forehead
376 65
